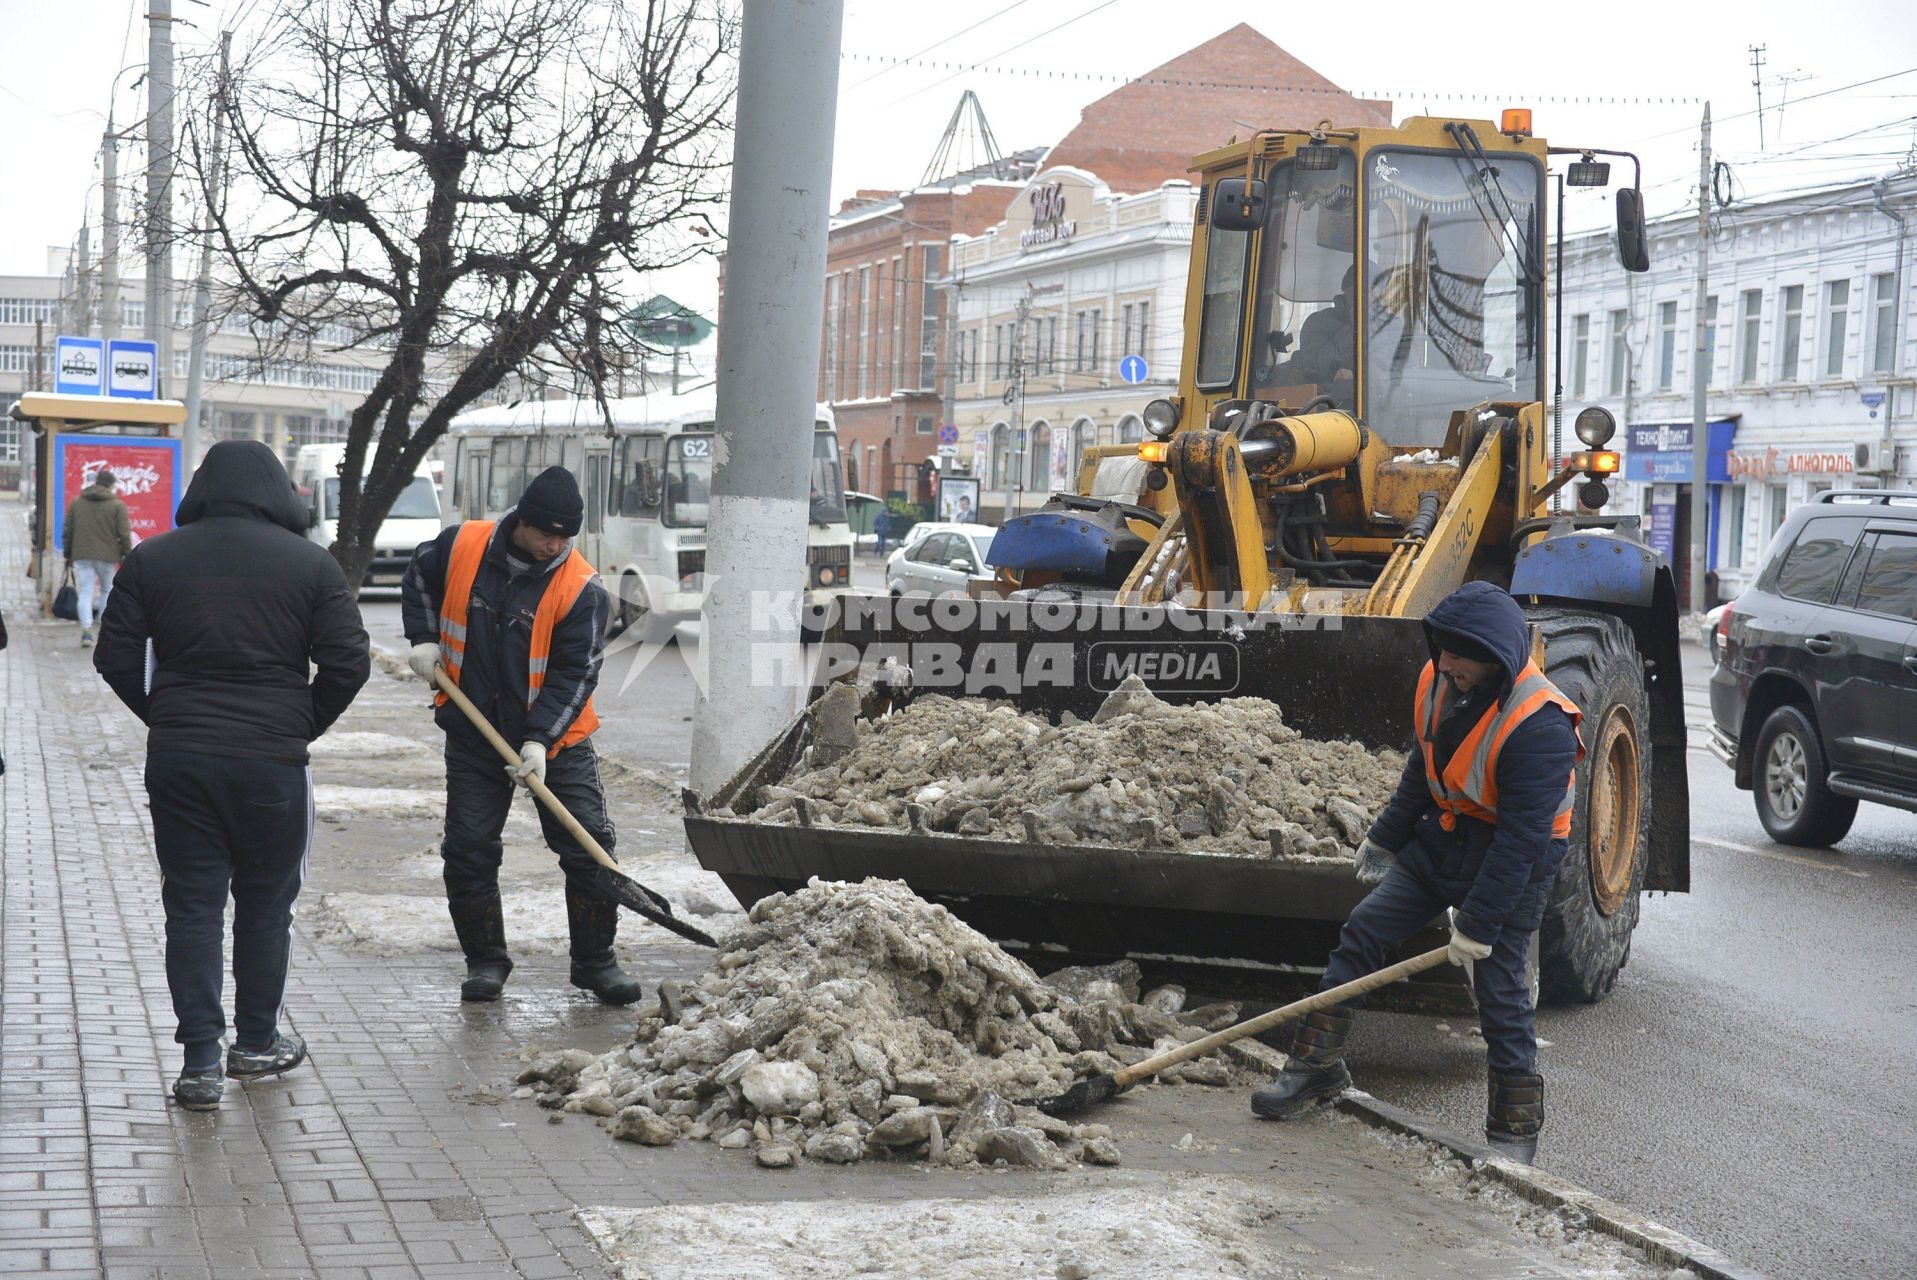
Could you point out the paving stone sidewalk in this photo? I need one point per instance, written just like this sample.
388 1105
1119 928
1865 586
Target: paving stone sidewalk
398 1152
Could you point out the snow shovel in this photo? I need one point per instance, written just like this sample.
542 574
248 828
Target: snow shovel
1093 1090
622 888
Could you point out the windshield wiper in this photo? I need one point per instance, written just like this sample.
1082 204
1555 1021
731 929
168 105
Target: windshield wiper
1467 139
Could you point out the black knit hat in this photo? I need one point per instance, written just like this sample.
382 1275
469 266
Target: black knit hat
1459 645
551 503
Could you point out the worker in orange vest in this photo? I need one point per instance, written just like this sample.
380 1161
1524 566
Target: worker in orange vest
1479 823
517 618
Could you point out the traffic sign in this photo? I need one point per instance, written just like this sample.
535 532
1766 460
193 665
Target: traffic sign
1873 400
1132 369
133 369
77 364
948 434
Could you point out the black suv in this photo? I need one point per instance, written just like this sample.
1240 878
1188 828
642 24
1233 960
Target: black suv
1814 694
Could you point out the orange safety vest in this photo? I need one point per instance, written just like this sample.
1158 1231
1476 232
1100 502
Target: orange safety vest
1469 782
563 586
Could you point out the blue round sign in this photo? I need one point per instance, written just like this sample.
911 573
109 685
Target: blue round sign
1132 369
948 434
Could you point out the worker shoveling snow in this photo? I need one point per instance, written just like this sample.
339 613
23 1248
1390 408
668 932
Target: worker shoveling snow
1227 777
853 1020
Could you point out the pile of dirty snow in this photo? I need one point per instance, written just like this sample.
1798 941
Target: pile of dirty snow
855 1020
1226 777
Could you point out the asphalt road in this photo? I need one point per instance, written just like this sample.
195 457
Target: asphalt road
1752 1081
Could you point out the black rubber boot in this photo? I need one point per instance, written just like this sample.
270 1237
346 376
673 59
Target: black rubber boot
1515 1115
594 921
481 926
1316 1071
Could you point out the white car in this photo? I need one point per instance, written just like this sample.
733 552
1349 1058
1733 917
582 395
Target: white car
941 562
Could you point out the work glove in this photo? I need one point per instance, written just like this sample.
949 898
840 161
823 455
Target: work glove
1465 949
422 658
1374 862
532 764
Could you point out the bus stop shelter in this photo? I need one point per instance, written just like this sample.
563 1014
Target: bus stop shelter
74 437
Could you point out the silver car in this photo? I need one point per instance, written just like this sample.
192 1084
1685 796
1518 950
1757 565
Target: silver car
942 562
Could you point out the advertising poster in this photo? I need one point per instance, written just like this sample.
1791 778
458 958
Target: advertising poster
147 474
958 499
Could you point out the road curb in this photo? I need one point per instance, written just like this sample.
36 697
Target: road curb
1656 1241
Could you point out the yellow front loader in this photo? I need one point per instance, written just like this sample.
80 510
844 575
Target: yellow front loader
1361 425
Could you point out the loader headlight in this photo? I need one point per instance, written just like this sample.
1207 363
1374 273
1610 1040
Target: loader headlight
1595 426
1161 418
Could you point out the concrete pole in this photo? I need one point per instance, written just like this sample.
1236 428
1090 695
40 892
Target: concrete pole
768 372
109 234
1701 380
159 190
203 287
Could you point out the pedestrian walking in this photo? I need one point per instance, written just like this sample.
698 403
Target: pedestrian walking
96 538
517 618
235 603
1479 822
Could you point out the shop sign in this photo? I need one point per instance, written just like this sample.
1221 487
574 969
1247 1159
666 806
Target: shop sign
1049 223
1770 463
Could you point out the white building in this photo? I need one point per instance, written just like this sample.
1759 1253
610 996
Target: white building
1072 284
1810 344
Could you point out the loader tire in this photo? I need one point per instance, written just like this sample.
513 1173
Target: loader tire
1586 934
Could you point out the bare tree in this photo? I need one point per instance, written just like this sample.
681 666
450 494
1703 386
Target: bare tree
461 191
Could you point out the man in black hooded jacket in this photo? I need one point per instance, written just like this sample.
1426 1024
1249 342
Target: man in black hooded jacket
1483 832
234 604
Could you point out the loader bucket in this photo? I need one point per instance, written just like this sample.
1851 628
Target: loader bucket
1224 925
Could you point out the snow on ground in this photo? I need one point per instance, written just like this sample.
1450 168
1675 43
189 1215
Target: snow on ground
1219 1227
1198 1228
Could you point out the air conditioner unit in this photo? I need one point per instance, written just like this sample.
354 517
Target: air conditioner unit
1874 457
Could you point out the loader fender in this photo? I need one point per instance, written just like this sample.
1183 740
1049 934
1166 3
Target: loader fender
1593 565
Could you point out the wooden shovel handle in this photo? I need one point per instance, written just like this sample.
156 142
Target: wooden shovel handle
511 757
1297 1009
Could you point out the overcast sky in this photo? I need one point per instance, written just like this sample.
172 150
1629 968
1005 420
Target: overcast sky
54 86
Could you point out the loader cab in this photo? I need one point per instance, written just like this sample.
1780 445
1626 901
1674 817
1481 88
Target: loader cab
1394 274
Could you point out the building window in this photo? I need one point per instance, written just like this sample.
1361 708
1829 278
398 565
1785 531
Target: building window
864 321
879 323
831 360
1837 324
1131 429
133 314
1144 346
1046 345
998 351
1666 345
1790 331
1038 466
1085 334
1883 306
1734 528
1580 355
924 425
1001 456
1134 326
35 310
1084 440
1620 360
1751 324
1710 340
898 319
929 321
1779 499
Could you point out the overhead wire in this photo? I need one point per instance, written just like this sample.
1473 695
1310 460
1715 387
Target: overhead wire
910 59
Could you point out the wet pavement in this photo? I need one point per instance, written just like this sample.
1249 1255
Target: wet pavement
399 1150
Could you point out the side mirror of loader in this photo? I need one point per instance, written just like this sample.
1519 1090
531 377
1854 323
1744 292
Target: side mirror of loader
1238 204
1633 242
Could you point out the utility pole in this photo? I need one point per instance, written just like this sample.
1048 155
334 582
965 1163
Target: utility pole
82 315
1701 380
109 234
1757 83
768 379
203 288
159 184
